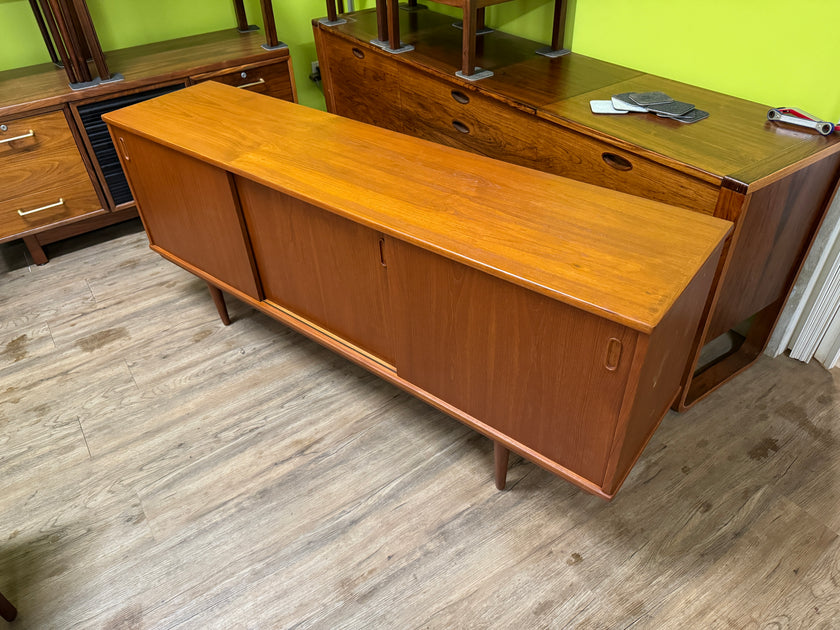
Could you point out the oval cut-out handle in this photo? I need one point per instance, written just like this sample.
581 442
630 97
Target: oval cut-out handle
459 126
616 161
124 150
460 97
359 53
613 354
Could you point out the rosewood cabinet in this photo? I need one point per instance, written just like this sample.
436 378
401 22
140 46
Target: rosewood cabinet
773 182
552 316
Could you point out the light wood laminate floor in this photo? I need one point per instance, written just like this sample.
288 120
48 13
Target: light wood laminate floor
158 470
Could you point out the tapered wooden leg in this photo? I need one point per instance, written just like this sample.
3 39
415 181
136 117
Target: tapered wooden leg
219 301
7 611
500 460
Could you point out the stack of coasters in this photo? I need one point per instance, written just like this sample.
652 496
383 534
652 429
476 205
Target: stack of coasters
657 103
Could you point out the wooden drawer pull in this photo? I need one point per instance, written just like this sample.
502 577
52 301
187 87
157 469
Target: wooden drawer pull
26 135
459 126
358 52
23 213
617 162
460 97
252 84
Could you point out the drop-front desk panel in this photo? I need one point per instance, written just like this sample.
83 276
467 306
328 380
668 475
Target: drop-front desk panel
774 182
552 316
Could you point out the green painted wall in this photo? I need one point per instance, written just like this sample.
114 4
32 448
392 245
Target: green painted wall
763 51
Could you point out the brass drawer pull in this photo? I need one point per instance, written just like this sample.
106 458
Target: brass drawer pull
459 126
60 202
26 135
358 53
617 162
460 97
252 84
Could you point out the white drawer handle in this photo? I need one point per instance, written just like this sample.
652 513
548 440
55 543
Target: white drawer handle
247 85
60 202
26 135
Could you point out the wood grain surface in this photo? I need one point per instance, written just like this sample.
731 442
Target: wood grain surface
160 470
41 170
557 239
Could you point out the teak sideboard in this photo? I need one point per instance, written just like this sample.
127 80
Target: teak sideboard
552 316
773 182
59 173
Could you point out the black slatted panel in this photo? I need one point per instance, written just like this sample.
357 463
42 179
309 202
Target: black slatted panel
100 140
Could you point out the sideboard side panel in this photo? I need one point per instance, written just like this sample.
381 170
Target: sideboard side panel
659 383
778 226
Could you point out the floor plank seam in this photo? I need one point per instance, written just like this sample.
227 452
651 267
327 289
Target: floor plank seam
84 437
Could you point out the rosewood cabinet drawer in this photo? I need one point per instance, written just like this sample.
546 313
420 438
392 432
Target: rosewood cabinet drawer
272 79
42 177
456 116
580 157
362 85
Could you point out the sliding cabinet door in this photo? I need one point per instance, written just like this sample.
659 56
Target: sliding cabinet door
321 267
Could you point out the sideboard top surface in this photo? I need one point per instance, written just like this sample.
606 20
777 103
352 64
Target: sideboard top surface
736 141
45 85
549 234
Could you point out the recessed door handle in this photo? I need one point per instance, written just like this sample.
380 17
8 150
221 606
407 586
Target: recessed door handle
616 161
459 126
460 97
